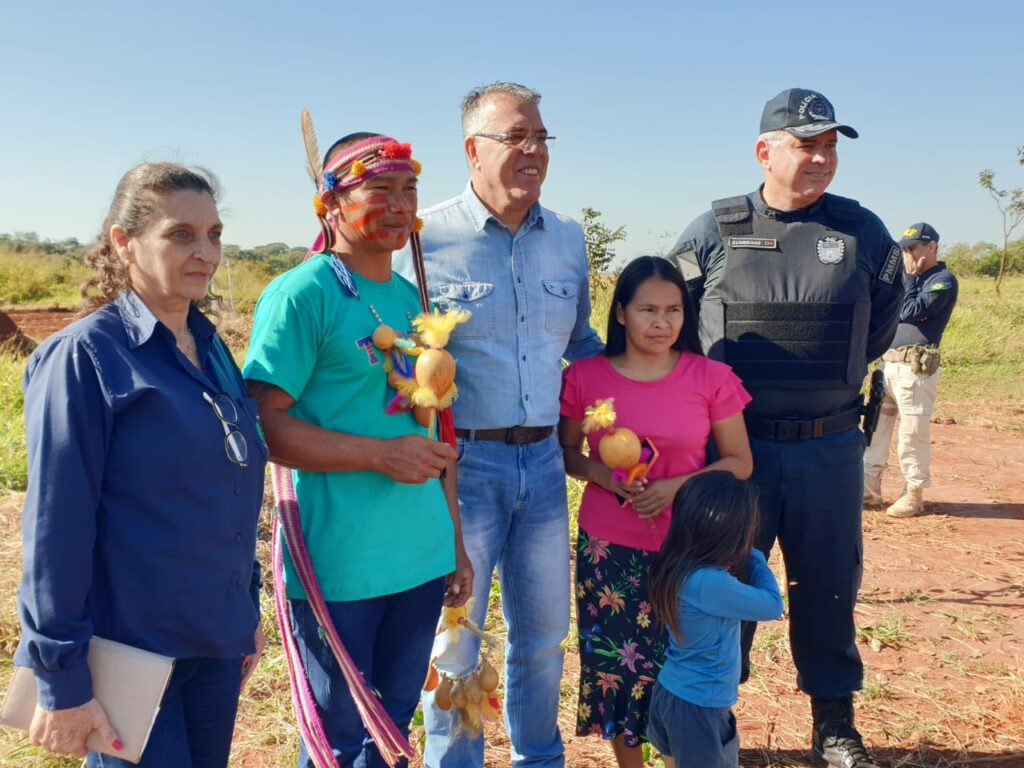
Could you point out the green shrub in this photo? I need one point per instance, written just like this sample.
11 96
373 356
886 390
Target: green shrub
982 259
40 279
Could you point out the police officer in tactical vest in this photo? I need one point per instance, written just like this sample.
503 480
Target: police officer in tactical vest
911 373
799 290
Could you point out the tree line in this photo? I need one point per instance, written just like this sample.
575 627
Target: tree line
980 259
272 258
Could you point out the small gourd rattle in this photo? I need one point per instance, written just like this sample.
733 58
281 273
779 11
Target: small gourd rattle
620 447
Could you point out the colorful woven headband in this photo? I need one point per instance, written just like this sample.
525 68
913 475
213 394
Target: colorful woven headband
362 161
367 158
359 162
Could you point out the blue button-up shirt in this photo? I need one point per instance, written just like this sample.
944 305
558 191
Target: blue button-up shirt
529 294
137 527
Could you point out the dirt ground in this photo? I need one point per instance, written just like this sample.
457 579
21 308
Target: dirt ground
940 620
40 323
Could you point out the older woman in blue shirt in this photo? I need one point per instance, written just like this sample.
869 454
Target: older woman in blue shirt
145 484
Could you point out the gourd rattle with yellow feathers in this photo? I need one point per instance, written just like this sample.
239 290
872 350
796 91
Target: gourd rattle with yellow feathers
430 385
620 448
472 697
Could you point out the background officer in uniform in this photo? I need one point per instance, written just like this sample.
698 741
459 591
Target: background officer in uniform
911 369
800 290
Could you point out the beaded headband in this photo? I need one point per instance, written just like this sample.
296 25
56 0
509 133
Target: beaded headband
361 161
367 158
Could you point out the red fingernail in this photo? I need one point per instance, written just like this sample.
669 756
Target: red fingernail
118 745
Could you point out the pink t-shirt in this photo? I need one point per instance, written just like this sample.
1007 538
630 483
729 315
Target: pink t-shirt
675 413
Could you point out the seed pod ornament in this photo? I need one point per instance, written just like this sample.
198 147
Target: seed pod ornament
443 694
488 676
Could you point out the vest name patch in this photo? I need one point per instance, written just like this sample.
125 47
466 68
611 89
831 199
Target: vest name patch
764 243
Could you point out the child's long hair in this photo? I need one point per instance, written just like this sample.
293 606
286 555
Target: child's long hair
714 522
638 271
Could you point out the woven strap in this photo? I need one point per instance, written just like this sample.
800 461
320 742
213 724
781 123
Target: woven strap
389 741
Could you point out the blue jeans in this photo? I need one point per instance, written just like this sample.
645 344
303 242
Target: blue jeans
389 640
514 516
196 719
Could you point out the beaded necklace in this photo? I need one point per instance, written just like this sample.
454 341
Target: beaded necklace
398 368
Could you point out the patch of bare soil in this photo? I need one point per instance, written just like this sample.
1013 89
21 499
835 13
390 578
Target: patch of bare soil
941 625
37 324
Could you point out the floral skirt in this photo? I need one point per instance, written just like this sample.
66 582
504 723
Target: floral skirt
621 644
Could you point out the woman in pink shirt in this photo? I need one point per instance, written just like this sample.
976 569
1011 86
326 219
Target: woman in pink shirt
669 394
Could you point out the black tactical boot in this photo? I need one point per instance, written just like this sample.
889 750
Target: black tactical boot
834 738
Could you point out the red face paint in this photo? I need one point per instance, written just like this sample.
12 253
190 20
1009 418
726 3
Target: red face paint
381 211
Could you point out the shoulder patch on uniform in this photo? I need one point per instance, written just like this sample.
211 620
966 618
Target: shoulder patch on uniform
686 249
891 265
685 257
940 286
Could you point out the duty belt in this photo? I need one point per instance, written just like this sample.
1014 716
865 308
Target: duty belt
510 435
796 429
922 358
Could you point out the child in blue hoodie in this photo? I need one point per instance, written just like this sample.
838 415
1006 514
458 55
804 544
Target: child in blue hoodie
705 580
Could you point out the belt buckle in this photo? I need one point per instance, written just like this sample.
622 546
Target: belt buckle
787 431
513 436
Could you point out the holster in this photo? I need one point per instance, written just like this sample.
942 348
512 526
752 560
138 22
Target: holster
872 408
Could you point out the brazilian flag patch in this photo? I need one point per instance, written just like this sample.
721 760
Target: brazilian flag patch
939 287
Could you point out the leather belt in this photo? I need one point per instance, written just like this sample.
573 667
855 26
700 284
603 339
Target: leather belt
796 429
510 435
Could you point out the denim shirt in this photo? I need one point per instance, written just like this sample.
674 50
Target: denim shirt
529 294
137 527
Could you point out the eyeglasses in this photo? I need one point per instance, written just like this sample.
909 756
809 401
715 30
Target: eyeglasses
519 139
234 441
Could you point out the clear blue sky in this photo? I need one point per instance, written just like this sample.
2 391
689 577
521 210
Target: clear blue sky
655 104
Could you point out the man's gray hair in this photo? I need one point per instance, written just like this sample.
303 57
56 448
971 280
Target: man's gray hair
472 114
774 138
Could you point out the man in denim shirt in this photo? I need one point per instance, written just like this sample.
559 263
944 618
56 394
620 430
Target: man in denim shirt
521 269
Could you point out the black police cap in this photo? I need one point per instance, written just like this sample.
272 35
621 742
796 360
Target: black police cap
802 113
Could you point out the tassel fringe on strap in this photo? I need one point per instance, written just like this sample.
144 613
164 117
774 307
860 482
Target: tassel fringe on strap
389 741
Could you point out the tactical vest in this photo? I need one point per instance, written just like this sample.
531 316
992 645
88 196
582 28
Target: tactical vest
791 309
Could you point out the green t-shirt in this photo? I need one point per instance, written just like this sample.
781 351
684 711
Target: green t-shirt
367 535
